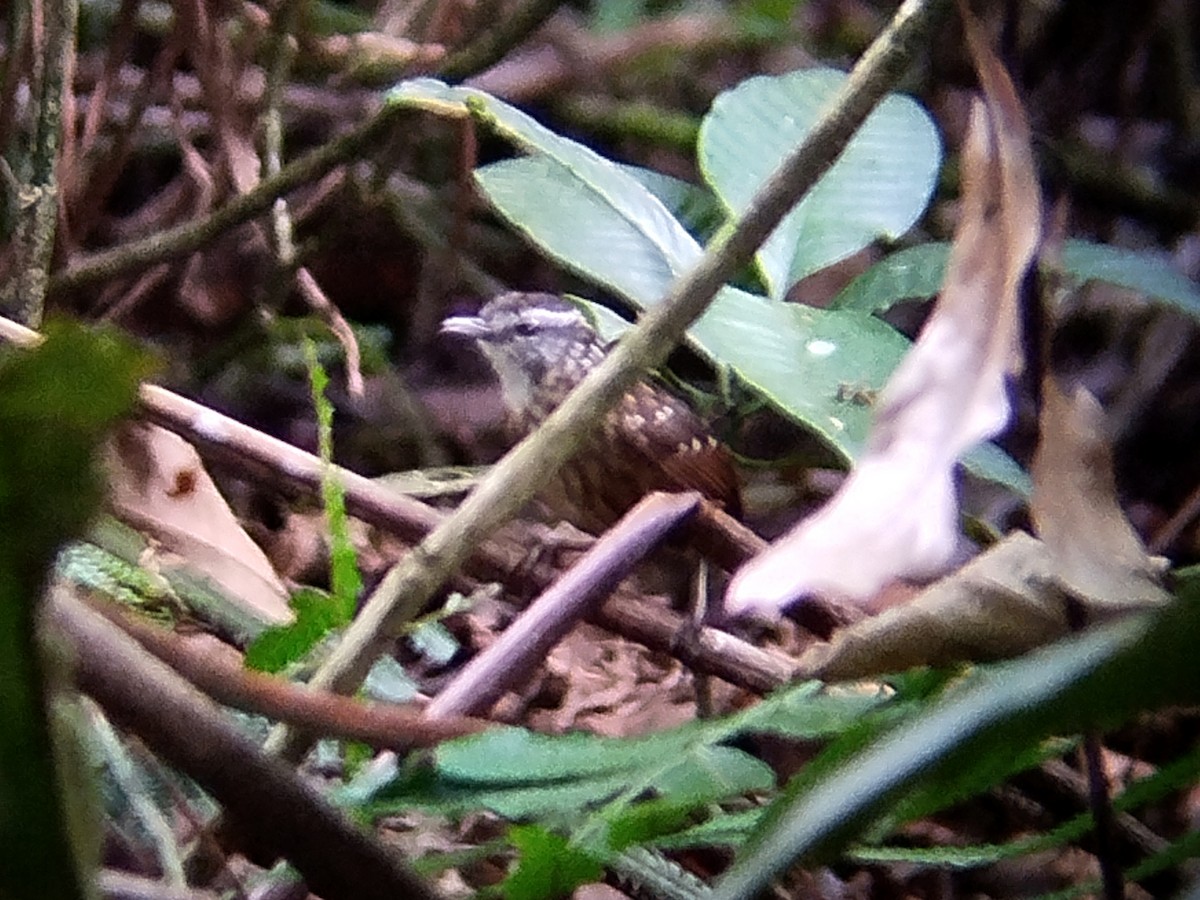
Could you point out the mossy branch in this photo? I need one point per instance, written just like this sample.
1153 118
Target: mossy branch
24 297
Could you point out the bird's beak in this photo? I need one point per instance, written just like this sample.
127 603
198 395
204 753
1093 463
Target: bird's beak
467 326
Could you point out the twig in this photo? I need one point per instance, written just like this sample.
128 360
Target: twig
517 477
224 679
278 463
116 885
1165 537
1136 840
279 60
280 813
1098 798
189 237
497 40
24 297
509 660
709 651
1100 804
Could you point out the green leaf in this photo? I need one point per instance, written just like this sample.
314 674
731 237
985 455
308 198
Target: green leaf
57 402
520 774
638 824
699 211
1091 681
659 798
434 642
549 867
711 773
601 222
604 180
808 711
317 614
991 463
517 756
878 187
1141 272
573 223
428 789
388 682
916 272
727 830
803 359
345 579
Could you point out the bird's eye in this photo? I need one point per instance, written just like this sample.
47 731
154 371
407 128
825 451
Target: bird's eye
525 329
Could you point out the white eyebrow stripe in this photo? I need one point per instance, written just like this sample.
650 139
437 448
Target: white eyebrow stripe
551 318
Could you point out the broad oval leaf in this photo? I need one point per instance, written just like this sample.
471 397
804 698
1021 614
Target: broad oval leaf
622 194
912 273
821 367
878 187
917 272
1140 272
568 219
818 367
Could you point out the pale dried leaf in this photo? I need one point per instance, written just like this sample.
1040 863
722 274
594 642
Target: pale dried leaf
896 516
1097 555
158 485
1003 603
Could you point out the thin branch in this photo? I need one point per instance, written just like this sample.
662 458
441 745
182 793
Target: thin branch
509 661
279 464
278 65
191 236
494 42
518 477
275 809
222 676
24 298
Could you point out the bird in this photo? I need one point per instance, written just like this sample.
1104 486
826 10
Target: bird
541 346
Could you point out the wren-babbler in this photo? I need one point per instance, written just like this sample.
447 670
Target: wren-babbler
541 347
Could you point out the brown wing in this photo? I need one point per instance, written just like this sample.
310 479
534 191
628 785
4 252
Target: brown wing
676 451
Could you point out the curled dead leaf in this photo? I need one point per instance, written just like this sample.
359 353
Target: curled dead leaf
896 515
1098 557
147 466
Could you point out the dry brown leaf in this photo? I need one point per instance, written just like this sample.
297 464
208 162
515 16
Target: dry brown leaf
896 515
1001 604
1011 599
1097 555
158 485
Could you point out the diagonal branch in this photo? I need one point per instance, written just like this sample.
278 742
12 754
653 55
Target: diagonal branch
515 480
191 236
